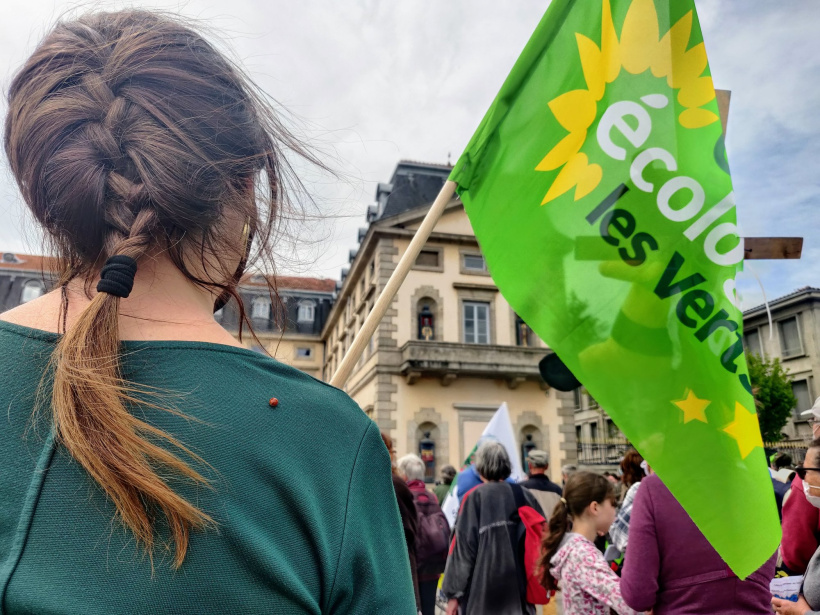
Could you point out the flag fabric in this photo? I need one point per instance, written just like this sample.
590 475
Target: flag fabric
499 428
598 187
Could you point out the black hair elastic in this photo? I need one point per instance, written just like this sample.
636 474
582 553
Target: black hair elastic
117 276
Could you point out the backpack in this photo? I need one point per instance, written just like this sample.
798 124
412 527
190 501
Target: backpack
547 500
528 529
432 534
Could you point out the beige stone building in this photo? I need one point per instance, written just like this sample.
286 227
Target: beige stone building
795 340
288 329
450 349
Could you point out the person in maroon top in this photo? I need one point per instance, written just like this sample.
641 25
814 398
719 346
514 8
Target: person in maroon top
801 529
672 569
801 520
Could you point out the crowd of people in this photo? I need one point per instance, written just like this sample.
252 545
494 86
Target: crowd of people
613 543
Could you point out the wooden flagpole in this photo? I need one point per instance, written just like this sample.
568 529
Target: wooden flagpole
393 284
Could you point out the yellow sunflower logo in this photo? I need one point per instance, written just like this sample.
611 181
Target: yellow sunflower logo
640 47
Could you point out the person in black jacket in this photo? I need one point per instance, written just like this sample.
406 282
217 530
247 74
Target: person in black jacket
539 462
542 488
482 575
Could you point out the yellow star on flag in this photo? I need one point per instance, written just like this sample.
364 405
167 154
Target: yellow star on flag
745 430
693 408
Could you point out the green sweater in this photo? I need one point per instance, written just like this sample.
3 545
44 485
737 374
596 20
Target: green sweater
307 517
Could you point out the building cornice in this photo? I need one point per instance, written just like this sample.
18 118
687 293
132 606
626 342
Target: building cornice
807 296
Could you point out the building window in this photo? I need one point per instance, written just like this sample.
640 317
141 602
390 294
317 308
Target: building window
593 431
523 333
576 394
476 322
31 290
426 317
304 353
474 262
791 344
800 388
307 312
429 258
260 308
751 341
592 402
611 429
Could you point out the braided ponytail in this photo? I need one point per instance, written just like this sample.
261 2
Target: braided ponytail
90 402
129 135
581 490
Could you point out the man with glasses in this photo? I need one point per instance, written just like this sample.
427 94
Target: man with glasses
801 520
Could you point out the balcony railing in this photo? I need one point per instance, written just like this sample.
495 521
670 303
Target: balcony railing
602 451
795 448
609 451
448 361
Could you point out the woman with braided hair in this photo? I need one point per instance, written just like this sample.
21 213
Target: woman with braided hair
145 470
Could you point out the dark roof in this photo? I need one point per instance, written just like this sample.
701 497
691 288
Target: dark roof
805 290
414 184
427 165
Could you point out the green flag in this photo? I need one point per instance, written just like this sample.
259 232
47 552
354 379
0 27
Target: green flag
598 187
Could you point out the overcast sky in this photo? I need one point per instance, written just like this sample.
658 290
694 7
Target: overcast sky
371 82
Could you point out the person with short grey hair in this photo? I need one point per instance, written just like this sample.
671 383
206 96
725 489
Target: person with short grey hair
492 461
481 572
411 467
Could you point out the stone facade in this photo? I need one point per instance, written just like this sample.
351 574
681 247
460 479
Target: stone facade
451 384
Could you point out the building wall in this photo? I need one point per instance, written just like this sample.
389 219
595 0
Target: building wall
13 284
458 413
803 366
449 288
289 349
454 222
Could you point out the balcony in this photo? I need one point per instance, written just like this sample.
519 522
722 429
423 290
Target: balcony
449 361
602 451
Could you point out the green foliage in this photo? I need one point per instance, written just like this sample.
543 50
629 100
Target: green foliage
773 394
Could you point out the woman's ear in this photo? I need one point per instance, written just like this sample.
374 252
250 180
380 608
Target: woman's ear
594 508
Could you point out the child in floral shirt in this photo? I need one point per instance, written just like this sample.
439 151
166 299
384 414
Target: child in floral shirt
571 562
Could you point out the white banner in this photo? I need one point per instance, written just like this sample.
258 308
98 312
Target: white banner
499 428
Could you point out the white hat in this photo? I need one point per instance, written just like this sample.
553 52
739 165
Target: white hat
815 409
